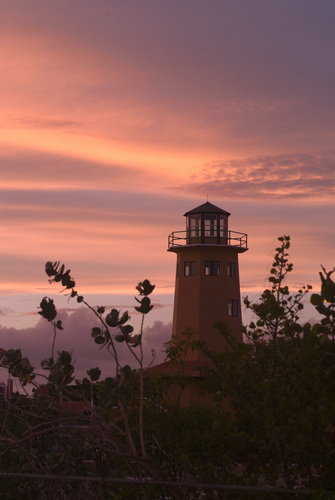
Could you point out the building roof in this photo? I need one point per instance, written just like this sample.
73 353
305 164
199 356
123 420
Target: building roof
207 208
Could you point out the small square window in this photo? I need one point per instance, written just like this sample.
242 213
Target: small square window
231 269
212 268
189 268
233 309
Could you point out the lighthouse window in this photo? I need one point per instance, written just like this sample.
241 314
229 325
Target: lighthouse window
210 225
231 269
223 226
212 268
233 307
195 225
189 268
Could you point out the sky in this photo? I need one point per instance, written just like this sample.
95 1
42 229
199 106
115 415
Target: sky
117 117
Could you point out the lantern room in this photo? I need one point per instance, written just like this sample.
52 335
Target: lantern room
207 225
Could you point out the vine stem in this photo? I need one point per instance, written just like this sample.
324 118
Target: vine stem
53 340
142 394
114 353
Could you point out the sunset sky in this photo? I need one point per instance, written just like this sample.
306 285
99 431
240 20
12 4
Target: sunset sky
119 116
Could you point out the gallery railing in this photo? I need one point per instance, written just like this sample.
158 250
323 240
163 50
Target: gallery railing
196 237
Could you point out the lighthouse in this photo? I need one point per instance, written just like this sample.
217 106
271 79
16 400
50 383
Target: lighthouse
207 287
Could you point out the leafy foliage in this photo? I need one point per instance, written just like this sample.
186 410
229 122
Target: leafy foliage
277 312
280 385
325 302
107 408
17 365
272 421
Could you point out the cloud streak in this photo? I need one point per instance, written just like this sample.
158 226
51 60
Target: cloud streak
286 176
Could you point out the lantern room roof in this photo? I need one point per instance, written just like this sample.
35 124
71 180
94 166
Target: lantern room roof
207 208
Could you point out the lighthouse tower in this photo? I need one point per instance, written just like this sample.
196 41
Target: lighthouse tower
207 278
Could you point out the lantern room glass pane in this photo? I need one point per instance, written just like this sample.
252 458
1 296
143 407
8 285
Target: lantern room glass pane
211 225
223 226
195 225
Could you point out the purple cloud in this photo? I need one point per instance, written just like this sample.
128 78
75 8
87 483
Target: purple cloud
35 343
